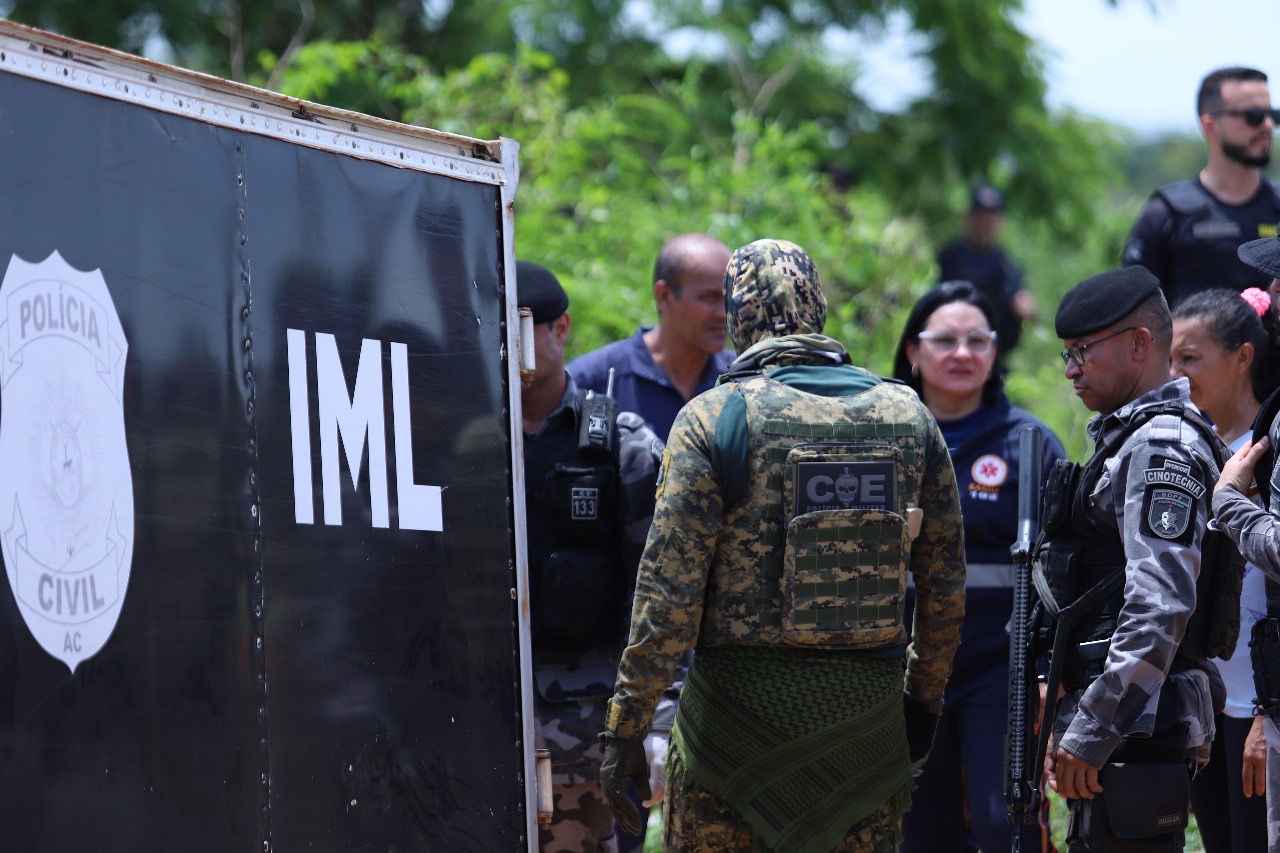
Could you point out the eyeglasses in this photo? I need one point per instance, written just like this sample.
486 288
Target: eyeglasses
978 343
1076 353
1253 116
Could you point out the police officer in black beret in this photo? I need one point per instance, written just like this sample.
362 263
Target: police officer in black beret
1119 565
589 499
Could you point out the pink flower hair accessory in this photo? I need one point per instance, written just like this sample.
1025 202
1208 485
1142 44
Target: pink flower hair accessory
1259 300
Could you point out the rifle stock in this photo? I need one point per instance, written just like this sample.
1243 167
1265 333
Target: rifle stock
1021 792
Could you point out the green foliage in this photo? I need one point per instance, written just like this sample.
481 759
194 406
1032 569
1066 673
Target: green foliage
765 59
604 183
624 145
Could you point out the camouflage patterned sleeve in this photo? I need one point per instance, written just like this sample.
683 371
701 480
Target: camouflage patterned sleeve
673 571
1156 492
1254 530
639 459
938 569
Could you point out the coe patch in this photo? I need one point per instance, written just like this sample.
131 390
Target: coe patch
846 485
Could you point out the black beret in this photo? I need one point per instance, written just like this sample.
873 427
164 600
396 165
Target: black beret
1262 255
540 291
1102 300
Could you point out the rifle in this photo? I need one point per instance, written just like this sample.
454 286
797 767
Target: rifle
1022 783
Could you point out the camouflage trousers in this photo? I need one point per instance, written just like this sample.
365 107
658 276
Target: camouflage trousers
697 821
1272 732
581 823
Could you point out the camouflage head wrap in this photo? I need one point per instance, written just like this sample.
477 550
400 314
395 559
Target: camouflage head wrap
772 289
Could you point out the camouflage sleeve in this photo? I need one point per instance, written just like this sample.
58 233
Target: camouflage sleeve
672 579
1253 529
1156 493
938 568
639 459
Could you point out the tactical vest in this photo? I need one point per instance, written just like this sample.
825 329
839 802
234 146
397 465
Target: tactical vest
1205 239
817 551
1079 563
578 585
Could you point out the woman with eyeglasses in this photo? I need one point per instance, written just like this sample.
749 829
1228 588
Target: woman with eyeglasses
949 354
1226 344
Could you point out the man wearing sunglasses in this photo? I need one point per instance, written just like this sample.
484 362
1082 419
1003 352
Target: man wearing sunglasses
1188 231
1121 567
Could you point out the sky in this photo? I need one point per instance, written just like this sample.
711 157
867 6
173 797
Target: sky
1137 65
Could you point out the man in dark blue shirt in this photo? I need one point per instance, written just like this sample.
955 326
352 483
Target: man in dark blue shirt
976 256
660 368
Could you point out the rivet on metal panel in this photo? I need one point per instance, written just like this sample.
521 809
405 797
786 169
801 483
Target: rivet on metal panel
253 510
248 344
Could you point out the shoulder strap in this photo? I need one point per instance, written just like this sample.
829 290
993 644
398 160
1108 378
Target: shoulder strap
1261 426
1274 186
1186 197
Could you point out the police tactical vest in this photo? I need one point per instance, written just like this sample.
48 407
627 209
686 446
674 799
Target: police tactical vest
1205 235
1078 562
817 551
578 585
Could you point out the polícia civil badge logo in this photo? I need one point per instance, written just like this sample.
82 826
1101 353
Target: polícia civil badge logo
66 492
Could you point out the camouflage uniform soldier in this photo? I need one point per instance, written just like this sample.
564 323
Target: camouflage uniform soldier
1256 531
590 500
1123 538
794 497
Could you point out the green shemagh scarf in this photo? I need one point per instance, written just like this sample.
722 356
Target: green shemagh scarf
786 348
801 743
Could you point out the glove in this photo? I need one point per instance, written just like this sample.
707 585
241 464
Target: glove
922 724
624 760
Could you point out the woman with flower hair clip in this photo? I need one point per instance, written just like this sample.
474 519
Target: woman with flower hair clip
1227 344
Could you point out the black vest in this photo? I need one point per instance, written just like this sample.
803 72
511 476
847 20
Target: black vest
1205 235
578 585
1076 559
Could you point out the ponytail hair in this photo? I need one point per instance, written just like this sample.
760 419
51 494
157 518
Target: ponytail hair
1234 319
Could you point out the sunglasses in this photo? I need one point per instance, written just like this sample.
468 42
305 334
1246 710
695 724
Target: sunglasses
1253 116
